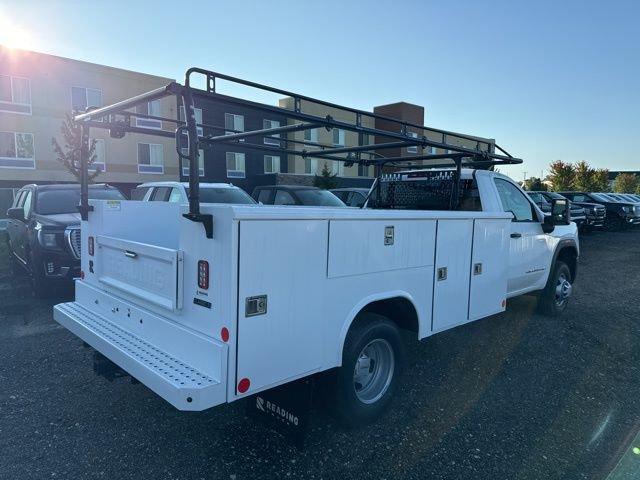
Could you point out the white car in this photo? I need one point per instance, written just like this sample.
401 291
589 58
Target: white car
178 192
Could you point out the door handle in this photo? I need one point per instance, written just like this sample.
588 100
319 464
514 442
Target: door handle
130 254
516 235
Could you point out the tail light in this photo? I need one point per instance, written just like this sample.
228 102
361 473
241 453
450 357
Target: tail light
91 246
203 274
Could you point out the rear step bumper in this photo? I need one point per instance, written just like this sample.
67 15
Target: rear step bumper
174 379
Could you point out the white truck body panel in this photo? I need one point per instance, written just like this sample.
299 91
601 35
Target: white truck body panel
314 269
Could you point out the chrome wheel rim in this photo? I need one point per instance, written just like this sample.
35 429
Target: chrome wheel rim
373 371
563 290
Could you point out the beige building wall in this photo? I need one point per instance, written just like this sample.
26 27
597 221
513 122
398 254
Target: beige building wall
51 79
325 137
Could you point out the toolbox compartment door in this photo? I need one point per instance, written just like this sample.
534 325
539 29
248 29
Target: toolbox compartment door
282 276
145 272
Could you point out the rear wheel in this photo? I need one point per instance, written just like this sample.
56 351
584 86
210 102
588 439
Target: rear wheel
372 361
555 297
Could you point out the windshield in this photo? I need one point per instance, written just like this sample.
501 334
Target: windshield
224 195
51 202
555 195
320 198
537 197
602 197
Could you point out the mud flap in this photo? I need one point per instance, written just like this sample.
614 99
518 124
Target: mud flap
285 409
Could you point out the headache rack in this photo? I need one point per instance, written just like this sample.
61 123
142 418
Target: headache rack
396 134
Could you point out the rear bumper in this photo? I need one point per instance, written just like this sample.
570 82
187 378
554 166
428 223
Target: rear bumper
185 368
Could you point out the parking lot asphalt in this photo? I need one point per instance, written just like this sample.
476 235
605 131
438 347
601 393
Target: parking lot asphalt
516 396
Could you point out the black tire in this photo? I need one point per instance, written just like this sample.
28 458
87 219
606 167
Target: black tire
551 301
371 332
16 268
615 223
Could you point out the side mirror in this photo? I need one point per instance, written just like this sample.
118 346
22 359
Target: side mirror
16 213
560 215
561 211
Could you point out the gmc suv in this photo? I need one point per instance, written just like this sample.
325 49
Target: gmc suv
44 232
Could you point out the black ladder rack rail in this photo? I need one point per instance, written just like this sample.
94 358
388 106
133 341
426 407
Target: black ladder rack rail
117 118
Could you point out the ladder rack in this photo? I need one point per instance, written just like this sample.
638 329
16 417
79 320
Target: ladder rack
117 118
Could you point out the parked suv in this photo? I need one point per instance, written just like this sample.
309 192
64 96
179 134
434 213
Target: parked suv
619 214
595 213
296 195
44 231
178 192
353 197
577 213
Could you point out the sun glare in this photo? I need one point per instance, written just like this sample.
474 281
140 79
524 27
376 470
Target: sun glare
13 35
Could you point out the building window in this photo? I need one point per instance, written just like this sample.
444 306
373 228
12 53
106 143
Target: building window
233 123
235 165
310 166
83 98
271 139
311 135
363 170
413 148
185 163
150 158
338 137
337 168
99 164
16 150
15 94
365 139
271 164
198 115
149 108
434 151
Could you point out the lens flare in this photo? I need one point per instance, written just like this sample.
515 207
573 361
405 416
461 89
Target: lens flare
13 35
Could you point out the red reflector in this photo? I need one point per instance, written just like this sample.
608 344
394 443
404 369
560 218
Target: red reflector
224 333
244 385
81 274
91 246
203 274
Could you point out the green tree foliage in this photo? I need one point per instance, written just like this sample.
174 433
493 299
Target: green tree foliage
69 155
326 180
583 180
625 183
600 180
561 175
534 184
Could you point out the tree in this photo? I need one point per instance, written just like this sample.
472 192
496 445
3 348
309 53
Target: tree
600 180
326 180
535 184
69 156
561 175
583 180
625 183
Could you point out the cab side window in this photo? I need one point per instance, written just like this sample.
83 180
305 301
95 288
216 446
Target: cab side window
264 196
514 201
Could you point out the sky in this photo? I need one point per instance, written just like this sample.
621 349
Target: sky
548 80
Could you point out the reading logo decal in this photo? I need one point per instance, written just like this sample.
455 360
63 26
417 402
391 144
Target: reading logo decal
276 411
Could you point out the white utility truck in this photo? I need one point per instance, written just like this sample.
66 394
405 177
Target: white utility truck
264 295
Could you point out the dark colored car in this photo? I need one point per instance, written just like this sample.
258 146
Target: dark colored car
44 232
353 197
619 214
296 195
595 213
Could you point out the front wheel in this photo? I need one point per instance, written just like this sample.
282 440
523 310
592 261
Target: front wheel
372 361
554 298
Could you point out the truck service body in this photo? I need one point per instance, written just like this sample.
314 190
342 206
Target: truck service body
271 294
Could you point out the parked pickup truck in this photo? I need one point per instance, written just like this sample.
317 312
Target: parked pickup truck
619 214
596 213
44 232
577 213
281 292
